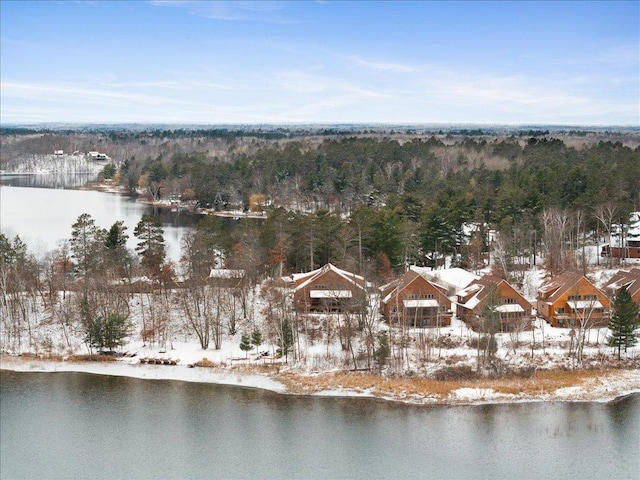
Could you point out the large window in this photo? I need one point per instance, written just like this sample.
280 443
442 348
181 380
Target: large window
419 296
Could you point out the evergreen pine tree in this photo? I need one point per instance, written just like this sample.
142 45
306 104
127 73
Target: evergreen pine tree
624 322
256 338
151 243
86 243
286 339
245 344
382 352
107 332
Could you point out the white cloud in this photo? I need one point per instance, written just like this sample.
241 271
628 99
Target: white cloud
306 82
381 66
325 91
248 11
178 84
77 93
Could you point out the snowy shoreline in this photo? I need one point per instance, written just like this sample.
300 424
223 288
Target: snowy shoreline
610 388
145 372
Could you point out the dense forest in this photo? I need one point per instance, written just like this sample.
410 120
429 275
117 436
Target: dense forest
377 200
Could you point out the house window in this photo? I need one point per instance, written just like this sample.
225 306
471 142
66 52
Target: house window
573 298
419 296
510 300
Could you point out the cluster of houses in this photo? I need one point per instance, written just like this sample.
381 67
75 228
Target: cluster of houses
93 155
426 298
628 239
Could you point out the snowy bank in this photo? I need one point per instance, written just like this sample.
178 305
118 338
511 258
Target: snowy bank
148 372
600 386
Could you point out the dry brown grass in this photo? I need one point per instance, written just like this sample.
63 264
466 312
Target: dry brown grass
90 358
264 368
258 368
206 363
33 358
543 382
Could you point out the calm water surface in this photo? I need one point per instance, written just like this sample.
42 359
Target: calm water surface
37 208
71 425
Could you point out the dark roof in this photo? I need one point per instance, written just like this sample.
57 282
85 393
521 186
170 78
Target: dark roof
629 278
556 288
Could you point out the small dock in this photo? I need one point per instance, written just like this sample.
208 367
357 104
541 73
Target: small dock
158 361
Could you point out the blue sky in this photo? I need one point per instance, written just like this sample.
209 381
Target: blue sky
239 62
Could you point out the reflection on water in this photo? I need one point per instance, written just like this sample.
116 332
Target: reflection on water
68 425
50 180
43 216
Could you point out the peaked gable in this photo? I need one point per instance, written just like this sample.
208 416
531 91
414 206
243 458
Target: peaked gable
354 280
409 279
556 288
625 278
476 293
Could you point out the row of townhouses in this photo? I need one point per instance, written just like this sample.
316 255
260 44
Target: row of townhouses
429 298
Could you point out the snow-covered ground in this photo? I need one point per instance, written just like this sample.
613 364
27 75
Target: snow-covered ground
542 348
38 164
48 334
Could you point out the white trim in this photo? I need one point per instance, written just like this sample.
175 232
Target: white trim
420 303
585 305
330 293
509 307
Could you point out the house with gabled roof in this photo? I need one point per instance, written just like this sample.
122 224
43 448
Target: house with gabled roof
452 279
328 289
571 299
415 301
495 293
625 278
225 277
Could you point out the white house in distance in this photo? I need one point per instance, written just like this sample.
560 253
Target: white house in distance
93 155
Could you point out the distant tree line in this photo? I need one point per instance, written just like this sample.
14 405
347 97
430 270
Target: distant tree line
385 199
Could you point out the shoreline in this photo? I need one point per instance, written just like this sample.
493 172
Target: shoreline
583 386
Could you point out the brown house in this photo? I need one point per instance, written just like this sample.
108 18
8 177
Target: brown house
415 301
328 289
571 299
625 278
497 295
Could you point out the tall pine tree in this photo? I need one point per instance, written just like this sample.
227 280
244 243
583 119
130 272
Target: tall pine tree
624 322
151 243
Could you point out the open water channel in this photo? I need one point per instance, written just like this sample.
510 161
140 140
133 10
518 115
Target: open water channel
74 425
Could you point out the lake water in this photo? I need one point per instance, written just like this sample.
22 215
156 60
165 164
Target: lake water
73 425
37 208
